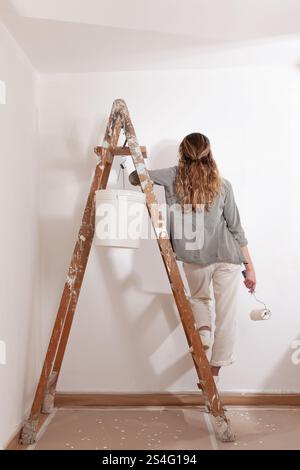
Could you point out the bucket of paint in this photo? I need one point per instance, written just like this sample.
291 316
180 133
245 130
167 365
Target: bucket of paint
118 217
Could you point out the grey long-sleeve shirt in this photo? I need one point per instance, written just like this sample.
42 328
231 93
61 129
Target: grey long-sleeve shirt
222 235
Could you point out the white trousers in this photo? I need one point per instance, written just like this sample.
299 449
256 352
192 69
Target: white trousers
225 279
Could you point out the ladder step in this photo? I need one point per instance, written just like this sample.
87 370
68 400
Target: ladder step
120 151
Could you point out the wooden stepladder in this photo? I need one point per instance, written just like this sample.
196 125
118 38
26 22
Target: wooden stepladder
43 402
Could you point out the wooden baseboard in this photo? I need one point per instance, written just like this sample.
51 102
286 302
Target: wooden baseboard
171 399
90 400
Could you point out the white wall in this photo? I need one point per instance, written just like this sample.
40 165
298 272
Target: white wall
19 242
126 334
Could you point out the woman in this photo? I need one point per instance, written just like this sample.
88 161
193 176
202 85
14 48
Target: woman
196 183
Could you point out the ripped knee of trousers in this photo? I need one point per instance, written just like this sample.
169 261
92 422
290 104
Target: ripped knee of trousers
202 312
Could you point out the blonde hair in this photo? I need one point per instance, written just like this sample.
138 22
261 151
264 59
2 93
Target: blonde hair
198 180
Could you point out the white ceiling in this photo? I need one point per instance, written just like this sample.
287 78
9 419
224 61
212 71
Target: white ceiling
98 35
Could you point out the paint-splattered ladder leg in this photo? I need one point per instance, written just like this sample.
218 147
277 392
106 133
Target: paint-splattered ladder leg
68 301
48 403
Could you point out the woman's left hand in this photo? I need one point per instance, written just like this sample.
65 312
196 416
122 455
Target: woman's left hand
250 280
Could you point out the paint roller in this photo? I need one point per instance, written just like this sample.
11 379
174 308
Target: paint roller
259 313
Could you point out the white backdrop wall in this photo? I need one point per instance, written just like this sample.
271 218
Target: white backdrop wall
19 320
126 334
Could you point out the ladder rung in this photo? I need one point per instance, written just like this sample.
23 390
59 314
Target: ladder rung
121 151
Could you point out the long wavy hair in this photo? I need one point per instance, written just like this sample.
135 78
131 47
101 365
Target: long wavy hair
198 180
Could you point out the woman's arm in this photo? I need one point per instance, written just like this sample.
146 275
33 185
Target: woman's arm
232 217
162 176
